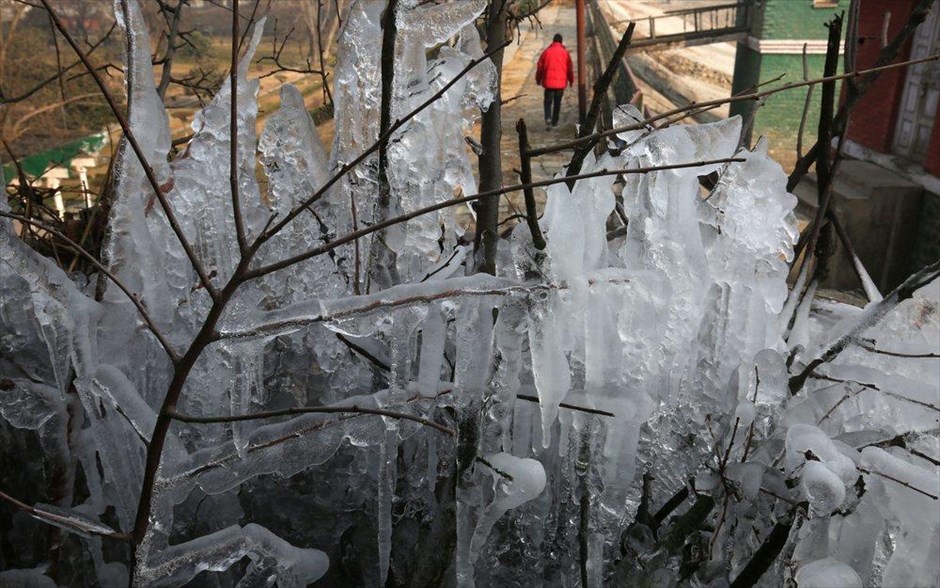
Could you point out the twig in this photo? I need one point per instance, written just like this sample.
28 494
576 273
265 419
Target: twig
39 86
869 317
584 409
72 524
869 346
176 415
901 482
170 49
264 270
233 136
806 104
494 468
525 177
824 167
877 389
672 504
765 555
600 95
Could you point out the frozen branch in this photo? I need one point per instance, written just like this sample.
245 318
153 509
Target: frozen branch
264 270
311 410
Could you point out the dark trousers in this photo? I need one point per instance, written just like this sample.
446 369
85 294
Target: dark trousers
553 105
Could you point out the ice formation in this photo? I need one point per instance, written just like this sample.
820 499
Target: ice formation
585 384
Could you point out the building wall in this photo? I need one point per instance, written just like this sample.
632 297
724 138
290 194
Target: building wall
875 116
932 164
797 19
792 22
779 117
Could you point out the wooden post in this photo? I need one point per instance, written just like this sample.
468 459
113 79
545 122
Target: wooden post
526 178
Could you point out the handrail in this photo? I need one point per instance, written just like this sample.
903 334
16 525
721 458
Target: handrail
699 25
684 11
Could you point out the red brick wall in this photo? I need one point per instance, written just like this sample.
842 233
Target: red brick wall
874 117
932 164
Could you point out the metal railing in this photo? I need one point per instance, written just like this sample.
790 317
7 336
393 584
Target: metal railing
714 23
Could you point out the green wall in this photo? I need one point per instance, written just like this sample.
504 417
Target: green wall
779 117
796 19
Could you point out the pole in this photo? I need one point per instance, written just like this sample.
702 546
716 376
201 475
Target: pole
582 72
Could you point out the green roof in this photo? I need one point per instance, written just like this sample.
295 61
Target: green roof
37 164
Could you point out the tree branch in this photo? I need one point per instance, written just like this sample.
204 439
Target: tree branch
173 413
264 270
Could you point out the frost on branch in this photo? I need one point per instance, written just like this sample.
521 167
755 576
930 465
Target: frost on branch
572 395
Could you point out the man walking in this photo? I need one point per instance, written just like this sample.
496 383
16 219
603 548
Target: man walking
554 71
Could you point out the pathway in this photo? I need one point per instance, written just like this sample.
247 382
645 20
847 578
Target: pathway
525 101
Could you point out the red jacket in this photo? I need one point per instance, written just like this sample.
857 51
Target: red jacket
554 71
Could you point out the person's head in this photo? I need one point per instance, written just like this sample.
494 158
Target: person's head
557 38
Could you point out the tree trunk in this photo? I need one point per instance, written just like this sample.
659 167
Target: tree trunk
490 160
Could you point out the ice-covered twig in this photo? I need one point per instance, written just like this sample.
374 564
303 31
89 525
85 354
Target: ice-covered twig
144 315
876 388
525 176
897 481
233 167
869 345
311 410
65 519
395 297
585 409
600 96
765 555
264 270
869 317
132 141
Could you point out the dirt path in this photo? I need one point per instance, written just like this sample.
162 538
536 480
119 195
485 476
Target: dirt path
525 101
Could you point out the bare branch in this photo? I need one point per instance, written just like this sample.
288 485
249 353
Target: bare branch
872 315
233 136
27 93
311 410
261 271
64 519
